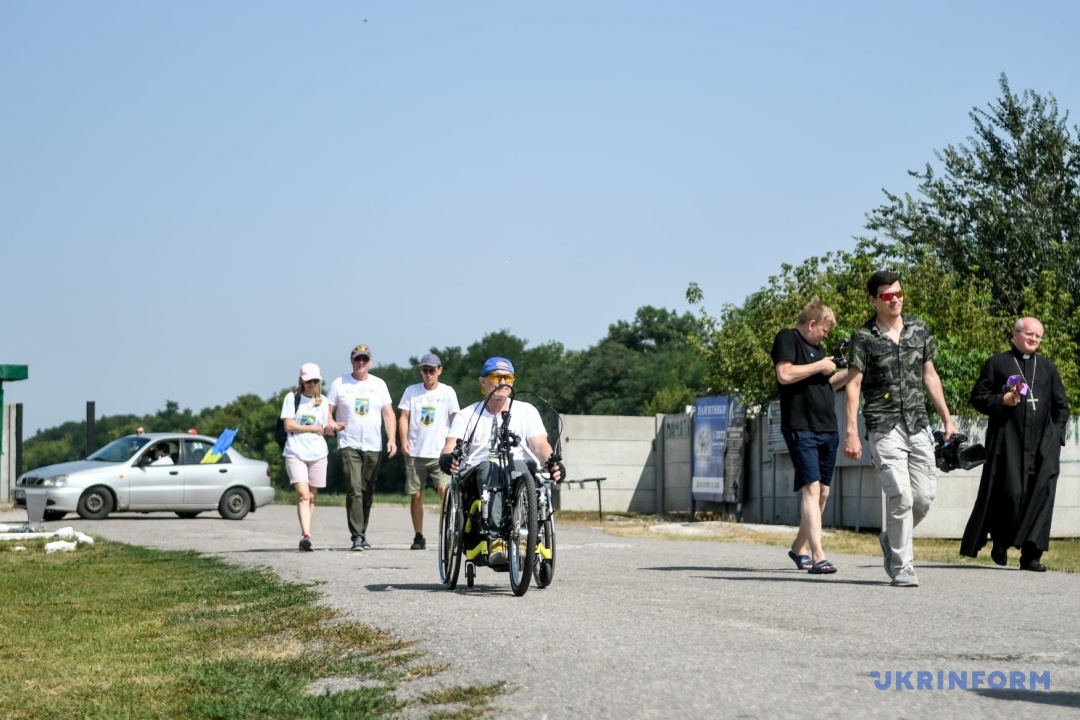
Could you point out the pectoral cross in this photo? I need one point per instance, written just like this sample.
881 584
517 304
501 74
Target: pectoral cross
1032 400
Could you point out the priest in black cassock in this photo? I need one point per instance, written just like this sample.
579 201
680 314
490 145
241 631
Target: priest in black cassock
1024 397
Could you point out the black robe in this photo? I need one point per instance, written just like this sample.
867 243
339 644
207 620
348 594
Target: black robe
1019 480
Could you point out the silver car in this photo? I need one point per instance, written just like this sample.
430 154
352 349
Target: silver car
151 473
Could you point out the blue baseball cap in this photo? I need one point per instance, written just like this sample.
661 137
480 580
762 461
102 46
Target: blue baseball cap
497 364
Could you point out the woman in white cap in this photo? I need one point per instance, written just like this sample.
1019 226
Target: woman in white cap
305 413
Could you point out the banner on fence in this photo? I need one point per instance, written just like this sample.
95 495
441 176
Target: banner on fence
710 445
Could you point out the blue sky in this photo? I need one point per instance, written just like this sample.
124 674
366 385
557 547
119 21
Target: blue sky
196 198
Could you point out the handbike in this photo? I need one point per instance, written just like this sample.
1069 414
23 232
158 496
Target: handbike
528 524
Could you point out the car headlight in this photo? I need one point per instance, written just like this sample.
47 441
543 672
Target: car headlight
58 481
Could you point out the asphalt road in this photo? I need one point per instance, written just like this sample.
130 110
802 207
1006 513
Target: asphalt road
649 628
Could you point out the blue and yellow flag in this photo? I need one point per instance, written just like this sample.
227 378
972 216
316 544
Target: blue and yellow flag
224 442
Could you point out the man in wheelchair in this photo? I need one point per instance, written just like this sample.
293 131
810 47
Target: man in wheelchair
478 425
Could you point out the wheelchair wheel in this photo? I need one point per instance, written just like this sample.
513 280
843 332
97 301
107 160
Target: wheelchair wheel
451 528
545 553
521 545
470 574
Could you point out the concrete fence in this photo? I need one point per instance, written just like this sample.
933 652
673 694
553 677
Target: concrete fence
646 463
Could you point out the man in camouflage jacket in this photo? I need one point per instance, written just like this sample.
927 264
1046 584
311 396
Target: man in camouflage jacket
892 365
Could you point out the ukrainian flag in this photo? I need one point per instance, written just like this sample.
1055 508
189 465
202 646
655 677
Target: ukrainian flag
223 443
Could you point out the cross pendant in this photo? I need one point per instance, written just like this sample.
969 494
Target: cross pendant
1032 401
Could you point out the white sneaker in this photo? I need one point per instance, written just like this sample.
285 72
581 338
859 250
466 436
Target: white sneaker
883 539
905 578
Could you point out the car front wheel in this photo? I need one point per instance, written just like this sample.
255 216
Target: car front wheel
53 515
95 504
234 504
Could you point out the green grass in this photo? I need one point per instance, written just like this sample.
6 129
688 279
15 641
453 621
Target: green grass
1063 555
117 631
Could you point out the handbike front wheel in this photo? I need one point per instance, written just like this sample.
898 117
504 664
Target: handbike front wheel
451 527
545 553
521 545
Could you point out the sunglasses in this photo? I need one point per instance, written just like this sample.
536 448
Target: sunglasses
361 358
899 295
428 370
312 382
507 379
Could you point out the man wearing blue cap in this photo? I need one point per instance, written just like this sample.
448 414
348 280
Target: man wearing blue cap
478 423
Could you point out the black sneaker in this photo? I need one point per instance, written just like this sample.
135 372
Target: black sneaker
418 543
357 544
305 544
364 543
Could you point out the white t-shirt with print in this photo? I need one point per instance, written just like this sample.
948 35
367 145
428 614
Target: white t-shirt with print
524 421
359 405
429 417
307 446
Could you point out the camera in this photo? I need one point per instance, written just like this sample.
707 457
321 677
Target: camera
839 358
956 453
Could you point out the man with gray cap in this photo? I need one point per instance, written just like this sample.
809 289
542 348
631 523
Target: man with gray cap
427 409
360 405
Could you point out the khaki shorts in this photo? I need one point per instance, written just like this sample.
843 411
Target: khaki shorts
417 472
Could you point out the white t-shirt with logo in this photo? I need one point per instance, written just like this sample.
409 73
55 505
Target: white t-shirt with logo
524 421
429 417
307 446
359 405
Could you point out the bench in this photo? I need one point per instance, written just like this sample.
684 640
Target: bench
599 500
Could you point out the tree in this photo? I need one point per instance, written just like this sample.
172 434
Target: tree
994 237
641 367
957 308
1005 207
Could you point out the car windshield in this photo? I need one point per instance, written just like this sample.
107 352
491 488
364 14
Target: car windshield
120 450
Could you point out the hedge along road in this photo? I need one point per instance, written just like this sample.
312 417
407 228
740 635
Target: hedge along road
641 627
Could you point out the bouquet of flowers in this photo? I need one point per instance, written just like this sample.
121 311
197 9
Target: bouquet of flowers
1016 384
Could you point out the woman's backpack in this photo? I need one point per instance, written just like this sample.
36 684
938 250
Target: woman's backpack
279 430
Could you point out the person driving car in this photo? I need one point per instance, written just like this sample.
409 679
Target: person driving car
161 455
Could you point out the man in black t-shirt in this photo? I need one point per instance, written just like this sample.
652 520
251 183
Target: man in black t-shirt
808 378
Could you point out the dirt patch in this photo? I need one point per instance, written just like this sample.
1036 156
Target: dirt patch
721 529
